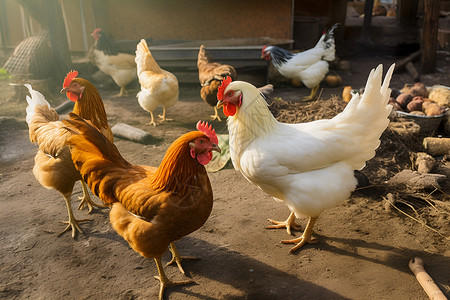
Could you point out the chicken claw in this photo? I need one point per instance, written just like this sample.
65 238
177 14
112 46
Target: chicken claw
166 282
306 237
290 222
312 96
86 200
72 223
163 116
177 258
216 115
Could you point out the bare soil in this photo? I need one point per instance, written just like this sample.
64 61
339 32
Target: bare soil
364 246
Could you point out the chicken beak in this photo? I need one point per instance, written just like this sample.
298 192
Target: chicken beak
216 148
219 104
64 90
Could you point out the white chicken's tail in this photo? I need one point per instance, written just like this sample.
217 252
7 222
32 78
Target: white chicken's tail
367 116
37 99
144 59
326 41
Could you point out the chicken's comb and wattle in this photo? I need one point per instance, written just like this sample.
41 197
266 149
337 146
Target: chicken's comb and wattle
208 131
69 77
221 89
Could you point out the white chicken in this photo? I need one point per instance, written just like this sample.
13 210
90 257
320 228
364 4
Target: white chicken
308 166
120 66
158 86
310 66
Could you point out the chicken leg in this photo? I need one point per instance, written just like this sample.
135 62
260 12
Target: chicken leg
312 96
177 258
86 200
290 222
164 281
152 121
163 116
216 115
120 94
306 236
72 223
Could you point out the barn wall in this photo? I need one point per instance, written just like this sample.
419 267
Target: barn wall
199 20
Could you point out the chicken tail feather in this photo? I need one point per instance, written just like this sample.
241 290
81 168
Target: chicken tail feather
370 112
327 43
36 99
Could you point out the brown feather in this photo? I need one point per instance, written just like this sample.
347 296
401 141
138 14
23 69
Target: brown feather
210 75
174 199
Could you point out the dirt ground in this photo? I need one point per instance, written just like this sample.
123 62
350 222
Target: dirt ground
363 252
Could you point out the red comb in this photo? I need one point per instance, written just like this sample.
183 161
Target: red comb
69 77
96 30
208 131
222 87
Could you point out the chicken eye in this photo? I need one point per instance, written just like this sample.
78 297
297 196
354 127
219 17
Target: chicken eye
202 142
230 93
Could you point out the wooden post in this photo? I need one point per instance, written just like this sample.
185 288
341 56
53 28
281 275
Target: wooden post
367 25
429 35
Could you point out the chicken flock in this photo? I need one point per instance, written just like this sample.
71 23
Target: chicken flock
154 206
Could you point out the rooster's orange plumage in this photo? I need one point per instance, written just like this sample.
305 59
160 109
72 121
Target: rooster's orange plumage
151 207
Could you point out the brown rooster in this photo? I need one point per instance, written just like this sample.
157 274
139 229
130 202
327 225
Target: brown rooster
53 164
151 207
210 75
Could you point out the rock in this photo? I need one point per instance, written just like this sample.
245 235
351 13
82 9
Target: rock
415 181
125 131
65 107
423 162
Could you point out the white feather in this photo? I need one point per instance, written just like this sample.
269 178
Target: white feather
35 100
309 166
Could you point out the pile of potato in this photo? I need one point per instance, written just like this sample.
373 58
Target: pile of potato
417 99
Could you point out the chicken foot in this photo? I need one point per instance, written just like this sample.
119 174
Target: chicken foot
306 237
177 258
312 96
216 115
164 281
290 222
163 116
152 121
86 200
72 223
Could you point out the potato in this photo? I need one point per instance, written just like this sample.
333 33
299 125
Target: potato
432 109
415 104
417 113
395 105
403 99
419 89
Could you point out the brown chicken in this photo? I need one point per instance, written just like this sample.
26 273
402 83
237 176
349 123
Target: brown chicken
210 75
151 207
53 164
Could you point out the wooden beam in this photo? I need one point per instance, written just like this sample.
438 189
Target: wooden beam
429 35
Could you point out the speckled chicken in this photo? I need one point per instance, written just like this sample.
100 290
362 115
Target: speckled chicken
210 75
